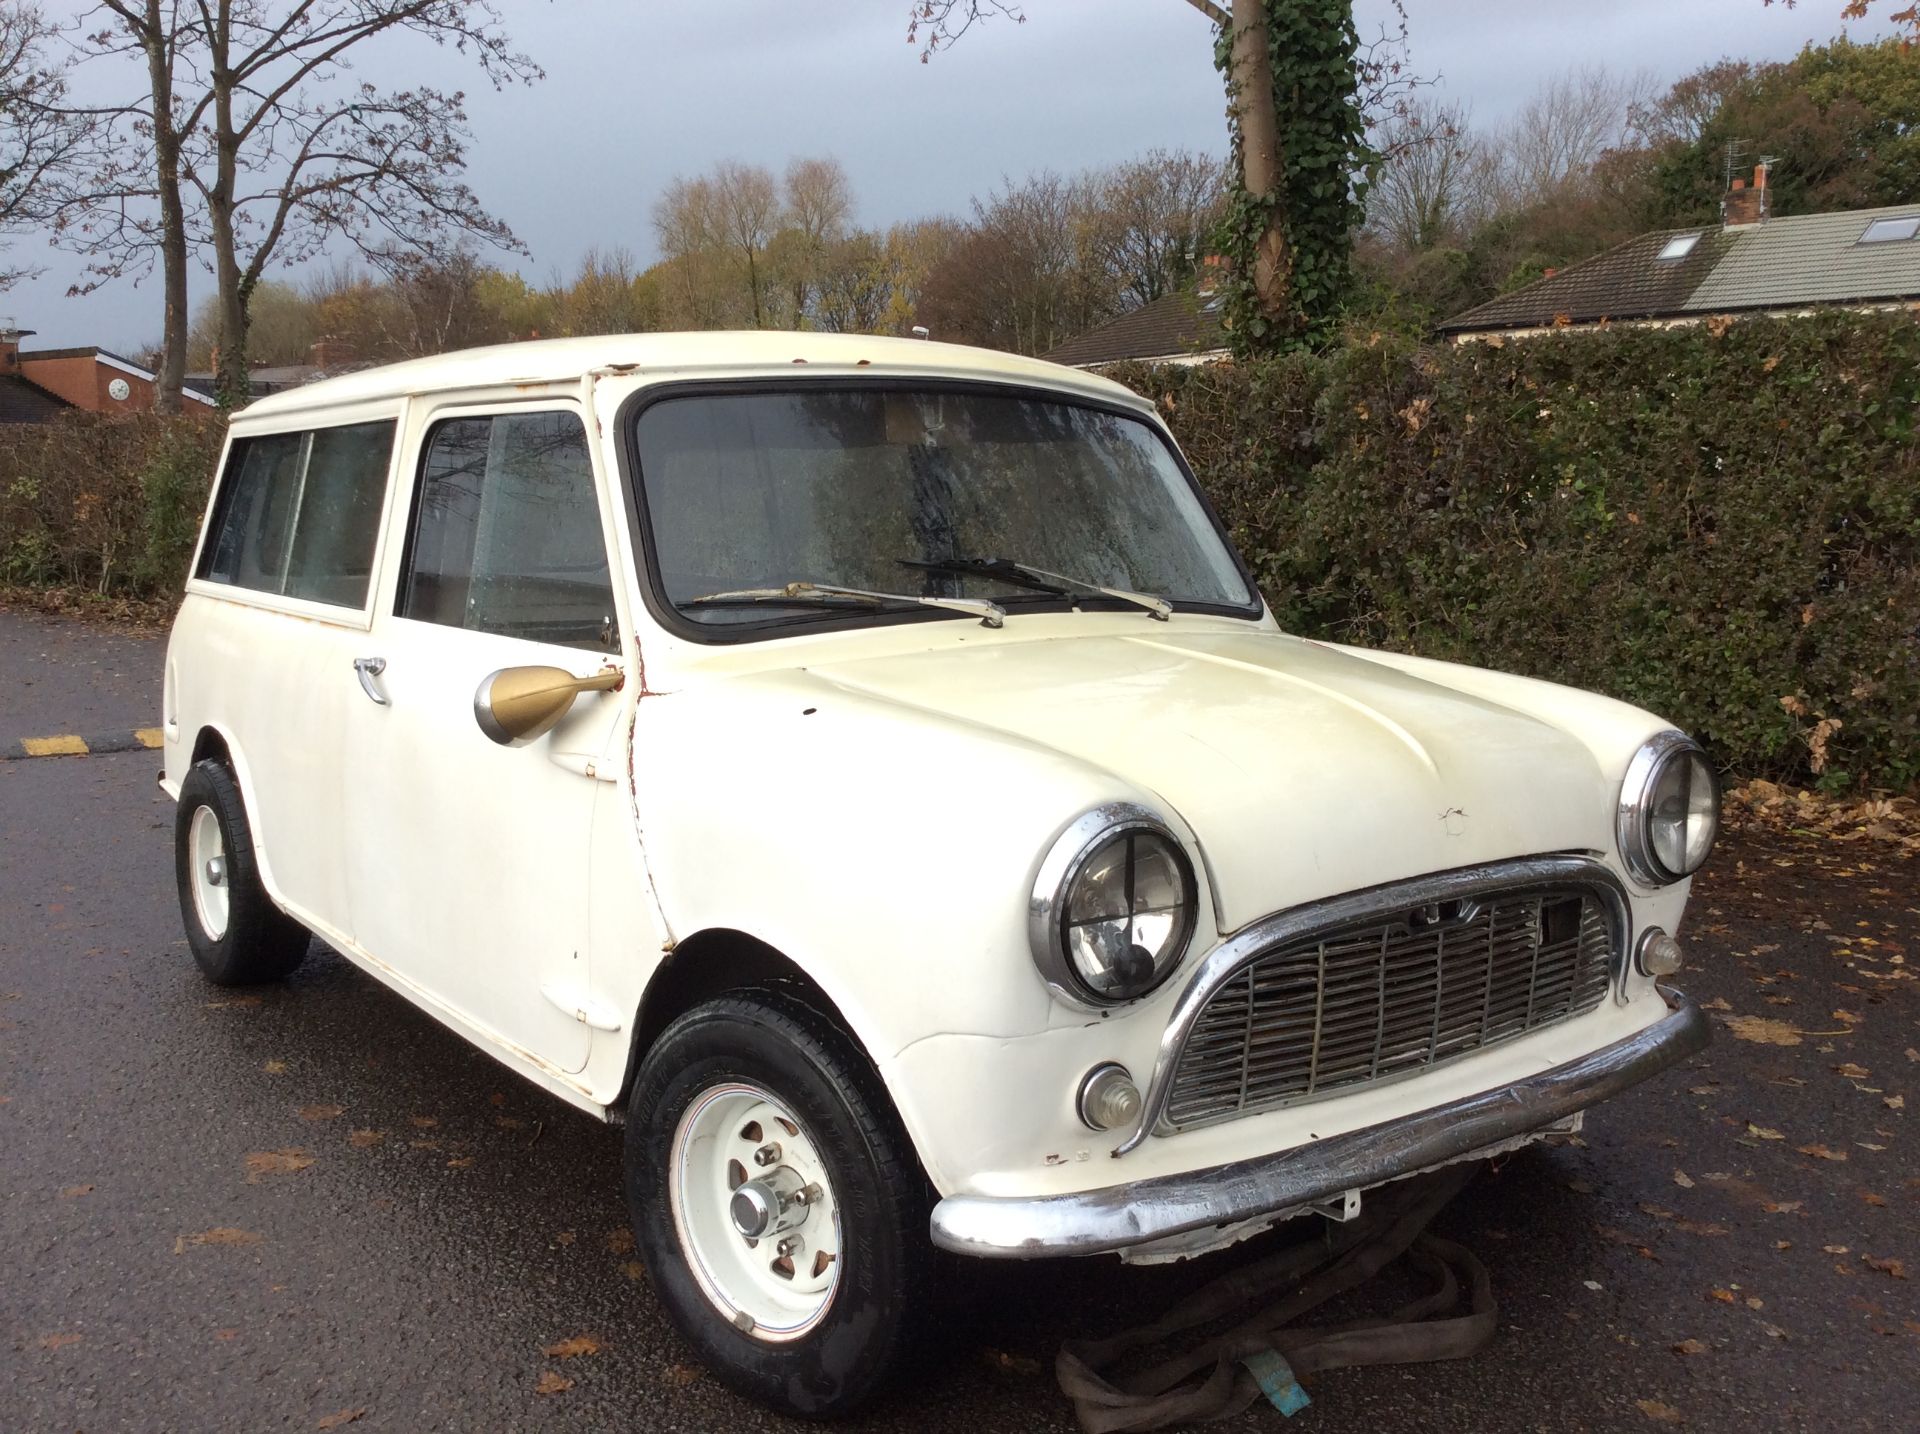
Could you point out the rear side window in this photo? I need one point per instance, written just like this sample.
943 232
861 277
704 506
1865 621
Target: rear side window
506 532
299 513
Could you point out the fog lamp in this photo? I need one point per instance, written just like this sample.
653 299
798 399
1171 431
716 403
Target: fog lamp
1109 1100
1658 953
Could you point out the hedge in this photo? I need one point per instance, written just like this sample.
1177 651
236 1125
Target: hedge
1720 523
107 505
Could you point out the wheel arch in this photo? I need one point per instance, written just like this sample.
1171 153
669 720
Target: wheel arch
213 741
714 962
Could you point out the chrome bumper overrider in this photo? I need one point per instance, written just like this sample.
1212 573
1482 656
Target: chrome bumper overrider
1093 1222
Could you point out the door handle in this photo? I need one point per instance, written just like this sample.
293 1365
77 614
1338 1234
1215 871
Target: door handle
367 669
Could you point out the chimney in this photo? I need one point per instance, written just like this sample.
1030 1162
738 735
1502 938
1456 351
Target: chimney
1212 268
1746 204
10 345
330 352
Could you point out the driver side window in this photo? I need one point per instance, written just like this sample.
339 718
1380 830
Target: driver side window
507 535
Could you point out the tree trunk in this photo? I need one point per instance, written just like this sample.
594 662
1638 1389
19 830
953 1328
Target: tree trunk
233 385
1260 157
173 221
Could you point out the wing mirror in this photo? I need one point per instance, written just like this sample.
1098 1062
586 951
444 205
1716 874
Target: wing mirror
517 704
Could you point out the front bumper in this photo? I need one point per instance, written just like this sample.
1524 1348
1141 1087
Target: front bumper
1094 1222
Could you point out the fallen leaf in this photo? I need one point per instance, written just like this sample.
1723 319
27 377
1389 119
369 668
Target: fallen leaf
1895 1102
460 1162
1726 1297
680 1375
1696 1227
634 1270
424 1122
1781 1207
218 1235
572 1348
1821 1152
57 1341
1580 1187
1912 1054
321 1112
1893 1268
1761 1132
1659 1413
423 1145
1783 1244
1690 1346
1834 1249
552 1382
1852 1071
620 1242
74 1192
343 1416
1010 1363
1873 1199
1683 1180
565 1237
226 1334
1763 1030
275 1067
262 1163
1659 1212
1718 1003
365 1139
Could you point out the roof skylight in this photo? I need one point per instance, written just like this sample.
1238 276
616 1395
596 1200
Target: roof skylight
1679 247
1891 231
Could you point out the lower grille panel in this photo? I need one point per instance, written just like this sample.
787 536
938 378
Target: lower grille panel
1391 998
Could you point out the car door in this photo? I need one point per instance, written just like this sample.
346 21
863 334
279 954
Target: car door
467 860
288 561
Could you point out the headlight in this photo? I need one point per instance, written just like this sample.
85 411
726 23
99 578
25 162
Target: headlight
1669 810
1113 907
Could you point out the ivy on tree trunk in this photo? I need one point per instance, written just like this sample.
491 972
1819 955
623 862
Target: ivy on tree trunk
1300 174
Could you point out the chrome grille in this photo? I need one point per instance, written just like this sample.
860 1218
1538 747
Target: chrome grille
1392 997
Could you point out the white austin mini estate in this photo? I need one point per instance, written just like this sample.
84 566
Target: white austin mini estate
864 769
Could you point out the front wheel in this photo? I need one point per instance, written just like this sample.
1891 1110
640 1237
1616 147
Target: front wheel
780 1210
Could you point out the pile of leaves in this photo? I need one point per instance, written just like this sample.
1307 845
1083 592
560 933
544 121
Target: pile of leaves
1877 818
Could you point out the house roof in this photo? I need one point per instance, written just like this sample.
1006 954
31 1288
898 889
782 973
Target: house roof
1174 326
1783 263
111 360
24 402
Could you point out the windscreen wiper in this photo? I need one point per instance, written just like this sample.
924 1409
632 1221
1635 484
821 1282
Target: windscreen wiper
990 613
1038 580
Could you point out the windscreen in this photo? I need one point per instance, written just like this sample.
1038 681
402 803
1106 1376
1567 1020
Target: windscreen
935 493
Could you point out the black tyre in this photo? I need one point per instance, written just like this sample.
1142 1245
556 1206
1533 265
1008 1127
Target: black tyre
239 937
753 1112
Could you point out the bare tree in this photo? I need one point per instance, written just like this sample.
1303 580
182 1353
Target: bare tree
746 213
248 113
1433 187
1151 219
1571 120
40 139
819 209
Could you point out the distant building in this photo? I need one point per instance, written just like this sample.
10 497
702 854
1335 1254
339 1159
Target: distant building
325 358
36 384
1751 263
1181 328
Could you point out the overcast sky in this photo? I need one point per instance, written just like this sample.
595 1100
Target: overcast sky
640 90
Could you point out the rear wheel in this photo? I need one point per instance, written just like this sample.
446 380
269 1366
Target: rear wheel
780 1209
238 936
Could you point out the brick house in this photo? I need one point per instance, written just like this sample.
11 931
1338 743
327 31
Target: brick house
36 384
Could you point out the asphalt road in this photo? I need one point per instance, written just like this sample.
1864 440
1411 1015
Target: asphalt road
271 1211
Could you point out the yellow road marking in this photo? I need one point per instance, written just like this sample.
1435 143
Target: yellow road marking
149 737
54 746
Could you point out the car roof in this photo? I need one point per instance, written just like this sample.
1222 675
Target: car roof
661 356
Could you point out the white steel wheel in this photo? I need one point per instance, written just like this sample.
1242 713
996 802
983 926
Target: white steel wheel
755 1212
207 861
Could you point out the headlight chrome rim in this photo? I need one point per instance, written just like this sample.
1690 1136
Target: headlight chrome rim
1634 827
1061 867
